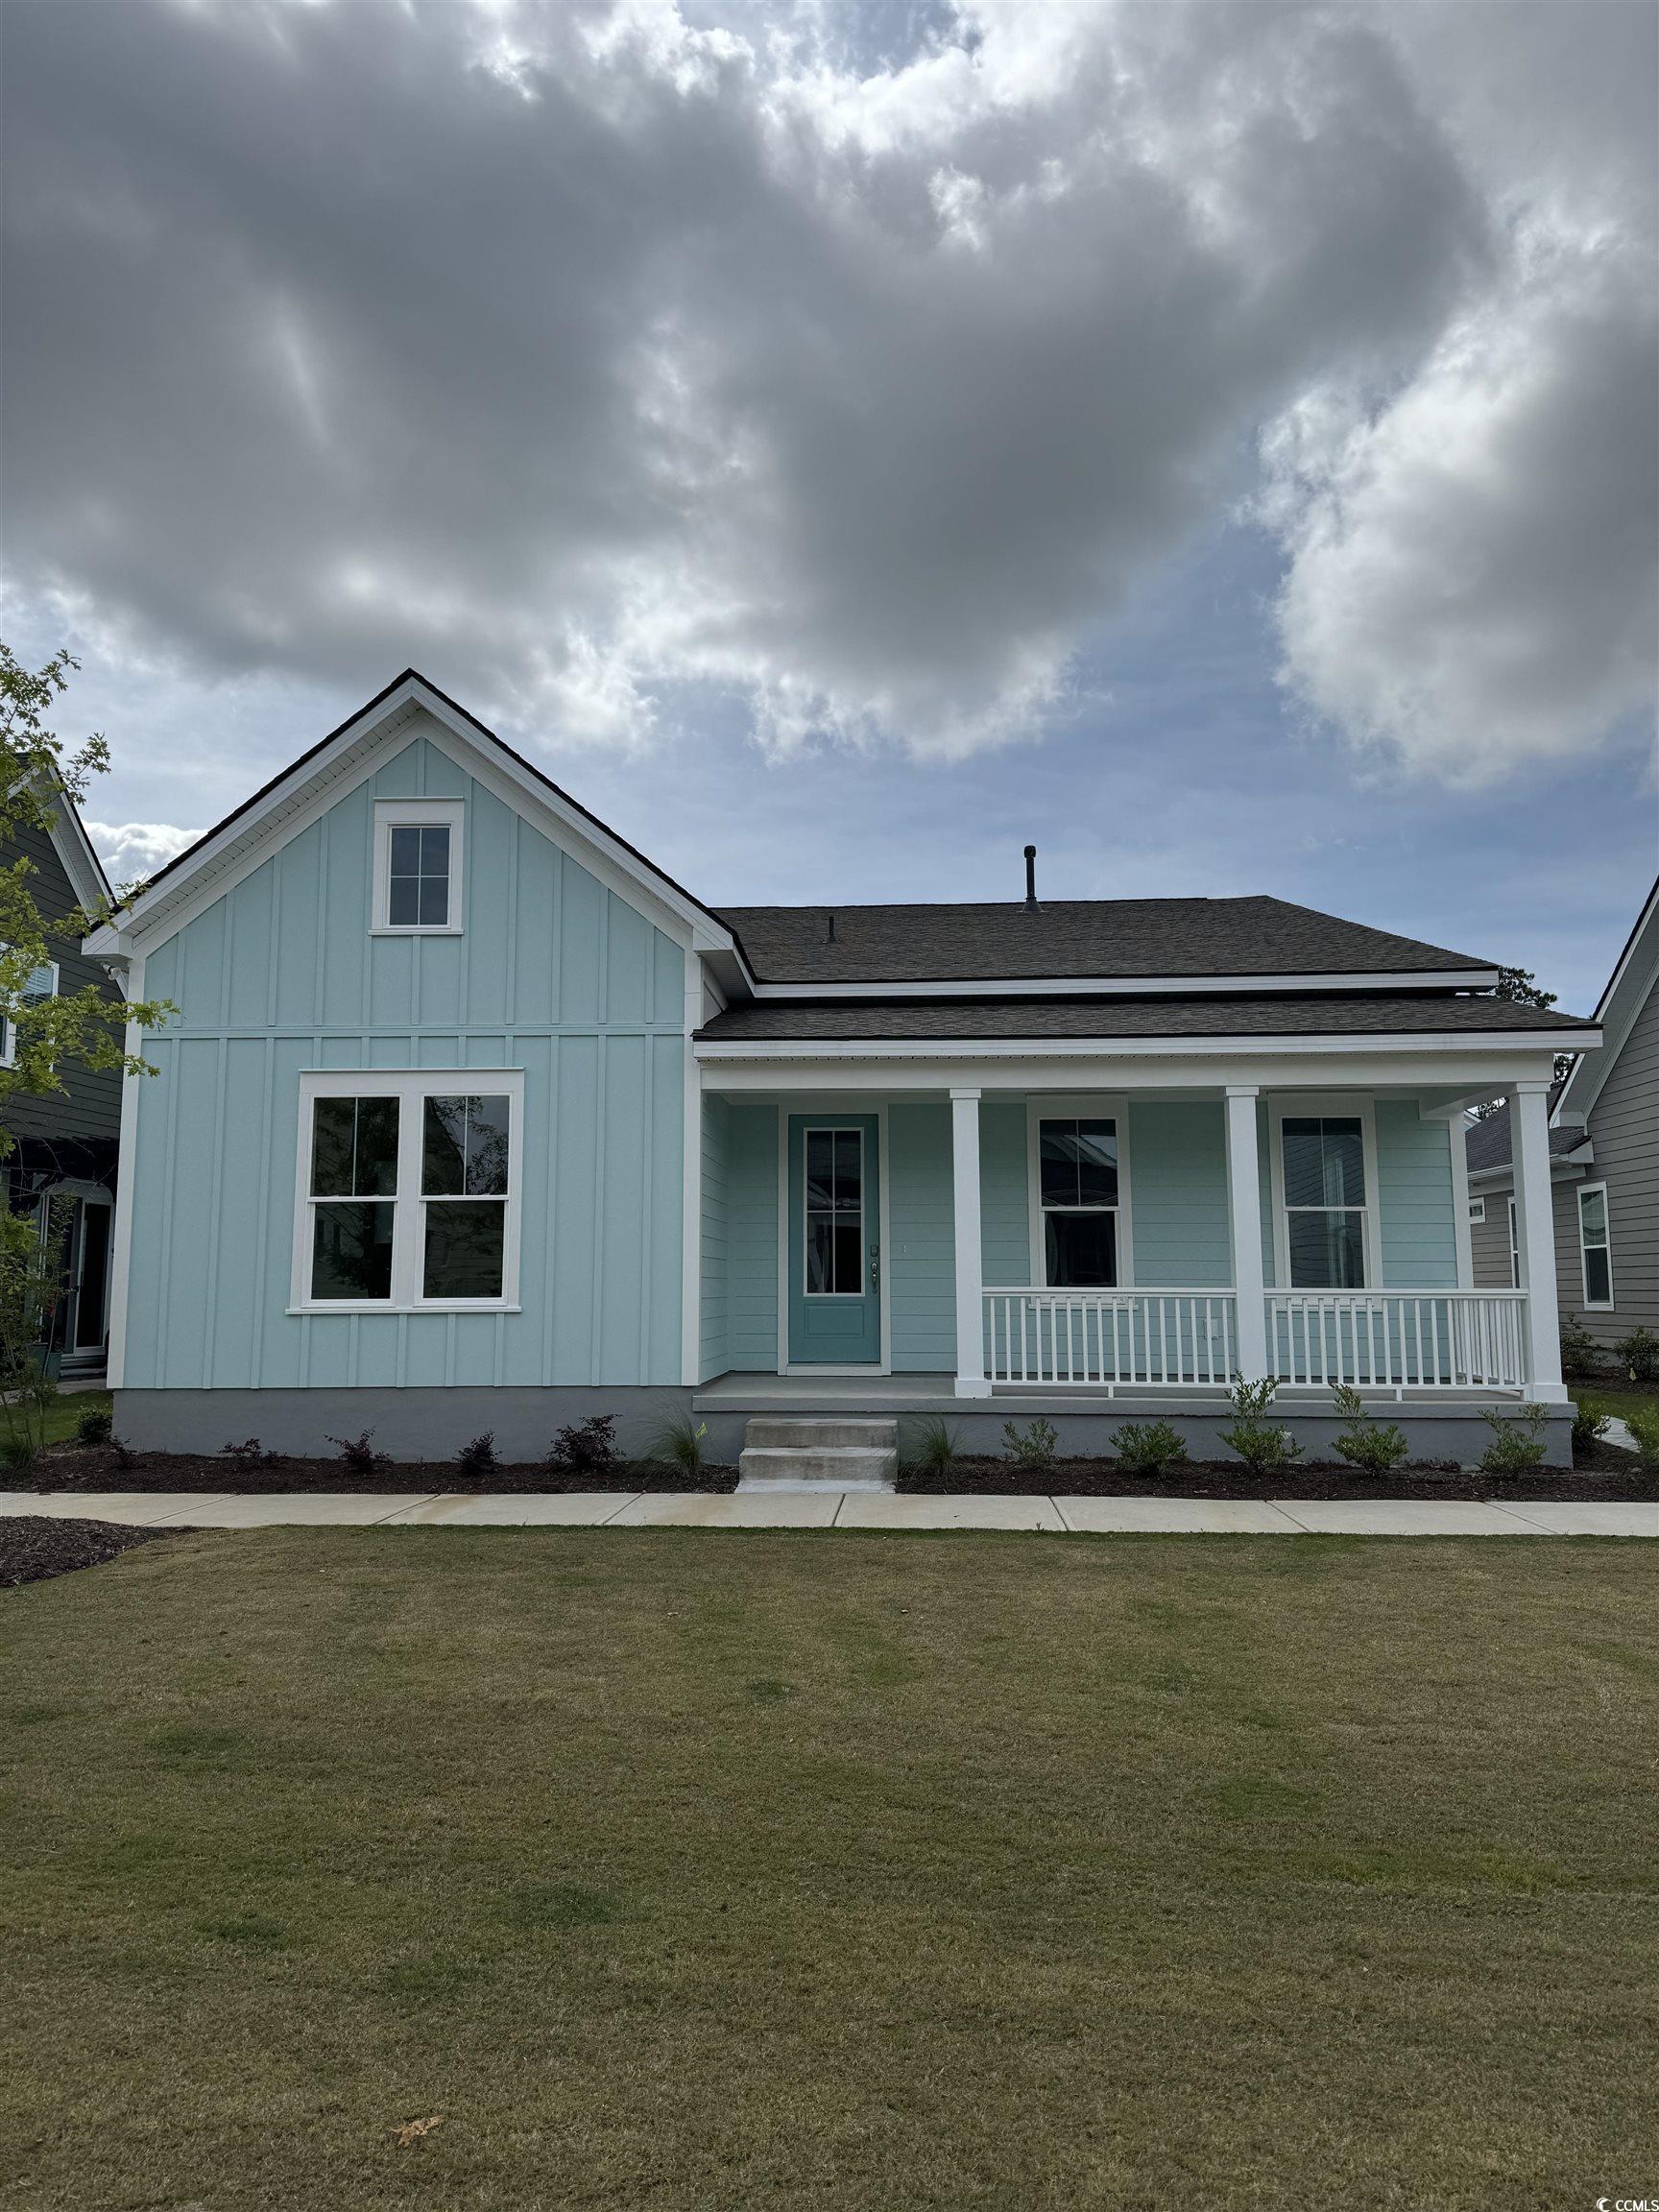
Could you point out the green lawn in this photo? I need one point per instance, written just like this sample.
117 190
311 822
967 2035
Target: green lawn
678 1869
63 1416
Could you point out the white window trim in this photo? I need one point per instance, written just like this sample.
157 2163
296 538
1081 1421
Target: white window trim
1477 1209
1514 1249
834 1126
1080 1107
418 814
409 1087
1594 1305
8 1028
1325 1105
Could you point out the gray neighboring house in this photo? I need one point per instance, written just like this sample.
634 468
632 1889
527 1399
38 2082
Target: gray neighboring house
66 1145
1603 1162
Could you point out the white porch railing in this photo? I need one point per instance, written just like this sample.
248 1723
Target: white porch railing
1372 1339
1109 1336
1398 1339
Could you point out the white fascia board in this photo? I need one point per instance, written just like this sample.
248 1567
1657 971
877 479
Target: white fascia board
1142 986
296 801
74 848
859 1049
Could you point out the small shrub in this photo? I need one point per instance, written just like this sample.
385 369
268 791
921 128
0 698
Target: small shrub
586 1448
124 1456
1517 1441
1580 1353
935 1450
1147 1447
1588 1429
477 1459
94 1425
251 1453
1643 1423
1263 1446
1640 1353
1033 1447
17 1453
1374 1448
359 1454
682 1443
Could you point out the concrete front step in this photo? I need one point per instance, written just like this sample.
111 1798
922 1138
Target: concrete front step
835 1467
768 1431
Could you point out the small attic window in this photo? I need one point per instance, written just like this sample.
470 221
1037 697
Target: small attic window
417 863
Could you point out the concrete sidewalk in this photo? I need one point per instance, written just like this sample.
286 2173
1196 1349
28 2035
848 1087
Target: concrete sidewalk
838 1509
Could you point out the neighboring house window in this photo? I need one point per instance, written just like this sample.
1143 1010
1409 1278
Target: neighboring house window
417 862
1325 1200
1077 1172
408 1192
41 984
1514 1249
1594 1245
1477 1209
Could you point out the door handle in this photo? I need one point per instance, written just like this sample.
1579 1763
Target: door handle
875 1267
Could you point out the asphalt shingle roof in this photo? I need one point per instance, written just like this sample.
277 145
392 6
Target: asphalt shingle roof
847 1020
1489 1143
1070 937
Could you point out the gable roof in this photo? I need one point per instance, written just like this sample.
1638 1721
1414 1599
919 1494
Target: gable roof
1489 1147
1635 972
220 855
1104 942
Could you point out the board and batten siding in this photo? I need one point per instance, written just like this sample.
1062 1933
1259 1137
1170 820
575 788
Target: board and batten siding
553 973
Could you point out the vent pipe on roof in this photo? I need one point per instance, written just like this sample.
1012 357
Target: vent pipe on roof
1030 874
829 930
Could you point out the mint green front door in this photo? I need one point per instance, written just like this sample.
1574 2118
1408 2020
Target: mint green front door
835 1240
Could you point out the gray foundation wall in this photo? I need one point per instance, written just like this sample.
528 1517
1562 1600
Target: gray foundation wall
413 1424
432 1424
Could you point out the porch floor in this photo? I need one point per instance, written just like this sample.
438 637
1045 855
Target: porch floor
886 1395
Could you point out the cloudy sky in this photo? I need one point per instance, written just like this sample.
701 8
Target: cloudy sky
841 443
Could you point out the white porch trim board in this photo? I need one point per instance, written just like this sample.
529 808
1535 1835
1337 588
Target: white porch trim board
970 1378
1535 1228
1244 1222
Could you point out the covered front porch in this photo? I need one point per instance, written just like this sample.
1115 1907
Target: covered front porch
882 1235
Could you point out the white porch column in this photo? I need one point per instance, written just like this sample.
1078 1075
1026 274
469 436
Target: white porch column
1535 1234
971 1379
1244 1213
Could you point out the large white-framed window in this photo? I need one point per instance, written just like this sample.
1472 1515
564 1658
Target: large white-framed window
408 1190
1594 1245
834 1185
1325 1233
41 984
1077 1172
418 854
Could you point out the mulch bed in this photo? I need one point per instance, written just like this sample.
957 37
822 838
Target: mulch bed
1307 1479
33 1548
100 1467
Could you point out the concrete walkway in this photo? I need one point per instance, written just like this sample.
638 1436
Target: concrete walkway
843 1509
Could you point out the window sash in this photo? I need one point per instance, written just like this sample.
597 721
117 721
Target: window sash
1596 1249
1055 1203
1324 1174
406 1228
38 985
419 852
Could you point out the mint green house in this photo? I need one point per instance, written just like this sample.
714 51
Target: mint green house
469 1118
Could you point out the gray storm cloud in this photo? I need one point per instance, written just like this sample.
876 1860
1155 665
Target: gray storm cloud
591 353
